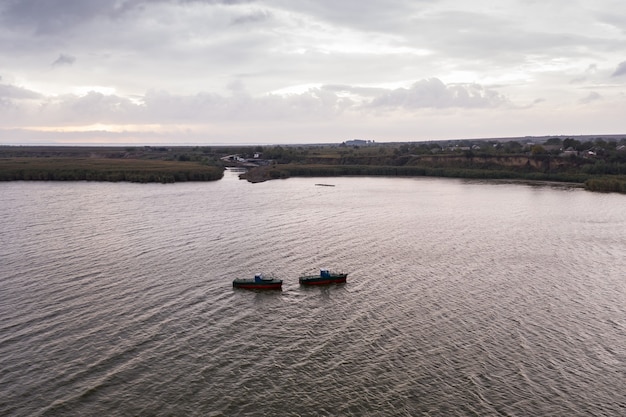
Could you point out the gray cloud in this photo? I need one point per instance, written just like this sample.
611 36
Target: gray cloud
8 91
70 110
253 17
433 93
592 96
621 70
315 104
64 59
589 72
53 16
161 107
505 40
367 15
323 103
12 99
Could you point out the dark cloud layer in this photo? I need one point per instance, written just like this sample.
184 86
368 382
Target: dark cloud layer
53 16
50 16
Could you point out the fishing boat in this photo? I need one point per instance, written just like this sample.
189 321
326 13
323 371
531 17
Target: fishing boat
325 277
259 282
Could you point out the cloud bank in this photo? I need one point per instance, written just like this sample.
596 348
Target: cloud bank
302 71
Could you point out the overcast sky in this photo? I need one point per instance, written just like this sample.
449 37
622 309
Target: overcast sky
309 71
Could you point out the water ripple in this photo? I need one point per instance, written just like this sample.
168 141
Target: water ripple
463 298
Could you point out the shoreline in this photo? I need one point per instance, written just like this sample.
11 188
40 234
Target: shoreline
261 176
603 170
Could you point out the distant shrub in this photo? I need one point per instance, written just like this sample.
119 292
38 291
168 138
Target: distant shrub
606 184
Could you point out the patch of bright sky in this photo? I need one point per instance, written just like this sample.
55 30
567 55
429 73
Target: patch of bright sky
302 34
296 89
304 88
86 89
100 127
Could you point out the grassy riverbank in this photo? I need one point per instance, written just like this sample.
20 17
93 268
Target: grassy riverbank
73 169
596 166
103 164
608 183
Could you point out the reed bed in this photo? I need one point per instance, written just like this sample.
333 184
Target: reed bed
105 169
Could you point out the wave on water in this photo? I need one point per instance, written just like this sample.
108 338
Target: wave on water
462 299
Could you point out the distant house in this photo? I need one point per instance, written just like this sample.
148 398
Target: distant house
358 142
236 158
569 152
551 148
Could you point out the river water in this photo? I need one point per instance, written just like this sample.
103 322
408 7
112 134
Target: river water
463 298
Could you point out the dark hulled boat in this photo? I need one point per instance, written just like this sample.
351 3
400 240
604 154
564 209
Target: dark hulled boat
325 277
259 282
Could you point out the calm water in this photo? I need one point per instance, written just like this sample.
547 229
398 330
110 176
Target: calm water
463 298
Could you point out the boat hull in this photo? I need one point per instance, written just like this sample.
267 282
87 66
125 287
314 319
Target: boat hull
319 280
250 284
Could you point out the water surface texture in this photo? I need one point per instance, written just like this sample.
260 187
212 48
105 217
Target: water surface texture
463 298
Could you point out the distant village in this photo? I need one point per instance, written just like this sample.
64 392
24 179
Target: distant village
582 146
577 146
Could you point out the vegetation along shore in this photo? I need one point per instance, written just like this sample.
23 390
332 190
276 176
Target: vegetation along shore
595 163
144 164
